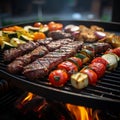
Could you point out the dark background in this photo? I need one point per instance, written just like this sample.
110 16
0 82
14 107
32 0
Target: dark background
14 11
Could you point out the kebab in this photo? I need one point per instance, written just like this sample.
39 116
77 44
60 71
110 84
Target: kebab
95 70
74 64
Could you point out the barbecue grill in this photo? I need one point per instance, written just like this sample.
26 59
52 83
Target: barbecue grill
105 95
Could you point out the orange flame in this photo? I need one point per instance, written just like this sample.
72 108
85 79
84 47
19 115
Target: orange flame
27 98
82 113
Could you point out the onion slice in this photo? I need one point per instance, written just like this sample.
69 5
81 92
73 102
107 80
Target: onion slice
99 34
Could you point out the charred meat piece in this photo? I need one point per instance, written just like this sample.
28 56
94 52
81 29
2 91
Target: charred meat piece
42 66
58 43
97 47
56 54
58 34
45 41
17 65
13 53
54 45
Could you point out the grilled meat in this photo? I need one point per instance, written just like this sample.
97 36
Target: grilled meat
18 64
42 66
58 34
46 41
58 43
88 34
98 47
12 53
22 49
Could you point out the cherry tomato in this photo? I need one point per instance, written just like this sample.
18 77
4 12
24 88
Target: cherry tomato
92 76
38 24
76 61
39 35
100 60
55 26
115 51
99 68
69 67
58 78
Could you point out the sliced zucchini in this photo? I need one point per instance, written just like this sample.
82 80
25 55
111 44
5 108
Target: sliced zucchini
25 38
9 34
15 42
6 45
34 29
27 28
44 30
31 29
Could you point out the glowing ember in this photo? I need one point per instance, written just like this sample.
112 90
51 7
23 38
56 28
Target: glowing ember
27 98
30 102
83 113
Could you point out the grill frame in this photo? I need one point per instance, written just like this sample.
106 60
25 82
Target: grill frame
103 96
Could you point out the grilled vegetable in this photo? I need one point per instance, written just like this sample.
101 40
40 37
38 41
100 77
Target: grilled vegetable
38 24
9 34
27 27
79 80
115 51
69 67
12 28
98 68
6 45
58 78
115 41
15 42
100 35
25 38
39 35
84 58
44 29
90 54
68 28
112 60
92 76
71 28
100 60
55 26
76 61
34 29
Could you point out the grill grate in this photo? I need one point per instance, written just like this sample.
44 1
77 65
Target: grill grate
105 95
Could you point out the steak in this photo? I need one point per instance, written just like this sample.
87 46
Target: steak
22 49
58 34
17 65
42 66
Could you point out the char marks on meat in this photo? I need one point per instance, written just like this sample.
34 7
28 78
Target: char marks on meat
58 34
42 66
22 49
18 64
58 43
98 47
